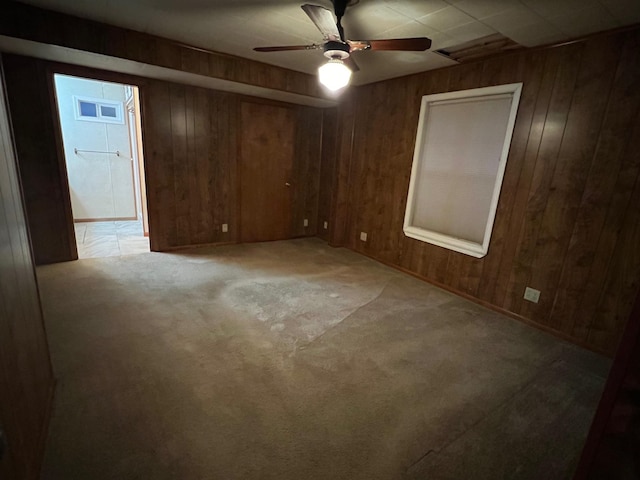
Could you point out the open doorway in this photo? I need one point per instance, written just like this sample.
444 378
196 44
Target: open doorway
102 142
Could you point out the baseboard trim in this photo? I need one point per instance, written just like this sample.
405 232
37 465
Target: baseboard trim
195 245
234 242
108 219
487 305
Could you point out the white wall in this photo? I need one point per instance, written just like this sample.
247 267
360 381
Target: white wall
101 184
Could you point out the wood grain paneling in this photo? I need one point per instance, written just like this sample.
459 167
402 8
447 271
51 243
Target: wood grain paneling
611 449
327 169
191 139
306 171
32 23
190 142
48 203
568 219
340 212
26 379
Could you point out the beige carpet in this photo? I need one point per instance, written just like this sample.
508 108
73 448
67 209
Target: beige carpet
293 360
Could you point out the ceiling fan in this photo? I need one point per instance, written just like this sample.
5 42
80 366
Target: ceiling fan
336 73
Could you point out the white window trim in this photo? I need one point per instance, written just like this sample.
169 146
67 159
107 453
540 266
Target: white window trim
99 103
474 249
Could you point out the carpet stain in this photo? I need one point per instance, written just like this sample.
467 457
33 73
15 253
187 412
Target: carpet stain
294 360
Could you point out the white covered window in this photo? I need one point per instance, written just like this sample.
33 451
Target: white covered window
459 161
98 110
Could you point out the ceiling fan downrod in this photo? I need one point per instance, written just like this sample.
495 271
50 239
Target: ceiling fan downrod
340 7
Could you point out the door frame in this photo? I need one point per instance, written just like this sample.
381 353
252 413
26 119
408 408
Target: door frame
53 68
132 105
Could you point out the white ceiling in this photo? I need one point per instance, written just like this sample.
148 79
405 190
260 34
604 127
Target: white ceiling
236 26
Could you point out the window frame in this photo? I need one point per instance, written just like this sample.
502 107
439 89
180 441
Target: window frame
440 239
99 103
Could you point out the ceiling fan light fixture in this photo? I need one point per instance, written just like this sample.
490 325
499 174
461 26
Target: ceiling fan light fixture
334 74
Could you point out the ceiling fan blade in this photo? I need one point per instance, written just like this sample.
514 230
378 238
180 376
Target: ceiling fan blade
323 19
287 48
351 63
418 44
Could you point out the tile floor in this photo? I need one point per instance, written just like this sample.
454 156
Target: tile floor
110 239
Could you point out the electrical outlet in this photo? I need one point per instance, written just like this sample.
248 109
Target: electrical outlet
225 228
325 225
532 294
363 236
306 222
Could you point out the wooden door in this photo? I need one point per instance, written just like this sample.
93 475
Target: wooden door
266 161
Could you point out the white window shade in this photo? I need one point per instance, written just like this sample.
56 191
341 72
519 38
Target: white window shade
459 160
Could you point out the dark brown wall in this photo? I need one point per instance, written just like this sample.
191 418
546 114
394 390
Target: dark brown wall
32 114
341 210
306 171
612 449
35 24
327 169
568 219
26 380
190 137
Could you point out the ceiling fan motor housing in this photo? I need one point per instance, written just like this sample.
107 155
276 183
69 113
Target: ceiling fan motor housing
333 49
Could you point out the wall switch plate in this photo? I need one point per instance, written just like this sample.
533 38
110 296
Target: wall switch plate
532 294
363 236
325 225
306 222
225 228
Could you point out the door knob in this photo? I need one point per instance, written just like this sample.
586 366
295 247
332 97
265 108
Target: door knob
287 184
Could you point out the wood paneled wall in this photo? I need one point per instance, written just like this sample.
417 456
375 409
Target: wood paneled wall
306 171
327 169
341 210
32 115
568 219
26 379
613 443
190 137
32 23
